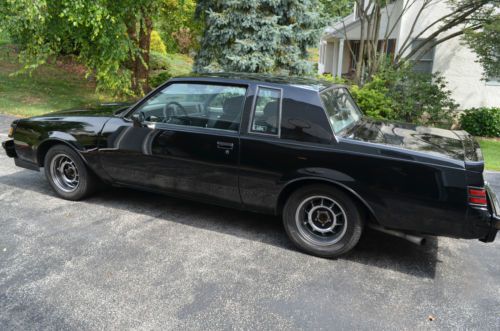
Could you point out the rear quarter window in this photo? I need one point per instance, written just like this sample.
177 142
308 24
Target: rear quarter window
341 110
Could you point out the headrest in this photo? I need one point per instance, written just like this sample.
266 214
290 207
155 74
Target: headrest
232 106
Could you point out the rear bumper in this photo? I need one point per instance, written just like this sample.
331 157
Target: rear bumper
495 215
9 148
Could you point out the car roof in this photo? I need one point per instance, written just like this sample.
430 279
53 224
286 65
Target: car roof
238 77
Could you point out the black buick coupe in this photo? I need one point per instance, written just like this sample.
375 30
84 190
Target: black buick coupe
291 147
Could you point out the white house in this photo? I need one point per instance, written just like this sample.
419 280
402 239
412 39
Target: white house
455 61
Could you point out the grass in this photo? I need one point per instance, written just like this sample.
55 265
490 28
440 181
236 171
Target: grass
49 88
491 153
53 87
180 64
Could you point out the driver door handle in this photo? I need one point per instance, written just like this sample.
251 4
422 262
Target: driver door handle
225 145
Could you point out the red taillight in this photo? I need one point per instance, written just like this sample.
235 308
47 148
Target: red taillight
477 196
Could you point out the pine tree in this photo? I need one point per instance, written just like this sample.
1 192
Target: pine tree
258 35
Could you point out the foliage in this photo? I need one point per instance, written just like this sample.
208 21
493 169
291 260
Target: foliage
184 39
419 97
4 37
410 97
372 99
49 88
332 79
486 44
180 64
111 38
333 10
258 35
491 153
157 44
158 61
176 15
160 78
481 121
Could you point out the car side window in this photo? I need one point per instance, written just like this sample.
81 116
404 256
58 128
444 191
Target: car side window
200 105
266 111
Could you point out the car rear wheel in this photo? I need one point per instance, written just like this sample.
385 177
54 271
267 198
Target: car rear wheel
322 220
67 174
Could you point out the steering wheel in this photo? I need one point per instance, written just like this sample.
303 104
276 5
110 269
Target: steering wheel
172 108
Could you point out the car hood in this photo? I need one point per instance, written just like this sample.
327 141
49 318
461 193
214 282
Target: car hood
103 109
453 144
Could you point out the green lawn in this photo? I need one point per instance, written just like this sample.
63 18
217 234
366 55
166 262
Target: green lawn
49 88
180 64
491 152
54 87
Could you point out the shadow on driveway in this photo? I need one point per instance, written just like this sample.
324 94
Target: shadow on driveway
374 249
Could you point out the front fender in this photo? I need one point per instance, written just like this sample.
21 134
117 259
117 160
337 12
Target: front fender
34 136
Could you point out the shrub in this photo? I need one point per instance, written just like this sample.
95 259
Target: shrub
404 95
481 121
159 78
158 61
420 98
331 79
157 44
184 39
372 99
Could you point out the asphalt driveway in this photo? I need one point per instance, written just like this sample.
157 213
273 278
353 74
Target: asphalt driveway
126 259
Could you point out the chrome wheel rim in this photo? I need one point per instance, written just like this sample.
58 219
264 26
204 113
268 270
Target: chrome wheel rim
321 220
64 173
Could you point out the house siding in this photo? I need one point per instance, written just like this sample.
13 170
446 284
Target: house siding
455 61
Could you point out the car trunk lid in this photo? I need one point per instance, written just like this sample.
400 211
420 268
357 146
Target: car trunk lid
452 144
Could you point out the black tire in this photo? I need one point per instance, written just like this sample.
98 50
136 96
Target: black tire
303 206
86 181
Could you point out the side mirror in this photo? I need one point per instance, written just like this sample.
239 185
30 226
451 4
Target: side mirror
138 118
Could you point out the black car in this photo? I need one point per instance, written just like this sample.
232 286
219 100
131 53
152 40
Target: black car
292 147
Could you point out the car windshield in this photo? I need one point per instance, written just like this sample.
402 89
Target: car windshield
341 109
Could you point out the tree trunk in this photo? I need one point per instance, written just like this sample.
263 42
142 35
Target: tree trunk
141 73
131 63
359 60
139 57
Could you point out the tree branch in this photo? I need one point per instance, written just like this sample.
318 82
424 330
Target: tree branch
450 24
429 46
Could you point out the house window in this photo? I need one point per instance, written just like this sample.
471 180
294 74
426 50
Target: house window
425 63
388 47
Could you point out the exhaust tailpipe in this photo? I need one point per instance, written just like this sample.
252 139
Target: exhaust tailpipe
417 240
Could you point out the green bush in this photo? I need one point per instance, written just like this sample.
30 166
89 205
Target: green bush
157 44
158 61
331 79
481 121
372 99
404 95
157 79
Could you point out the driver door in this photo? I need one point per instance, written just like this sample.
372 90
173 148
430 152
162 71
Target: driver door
184 140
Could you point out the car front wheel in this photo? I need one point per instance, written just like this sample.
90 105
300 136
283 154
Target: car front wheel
323 220
67 174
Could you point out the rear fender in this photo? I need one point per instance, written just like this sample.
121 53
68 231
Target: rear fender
328 176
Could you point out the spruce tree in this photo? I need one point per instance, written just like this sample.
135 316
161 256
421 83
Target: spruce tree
258 35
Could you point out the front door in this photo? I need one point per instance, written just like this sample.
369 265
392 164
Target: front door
184 139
